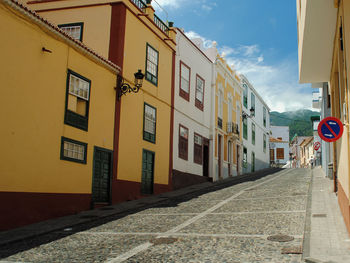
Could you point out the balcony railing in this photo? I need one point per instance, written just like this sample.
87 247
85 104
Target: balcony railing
139 3
219 123
161 24
232 127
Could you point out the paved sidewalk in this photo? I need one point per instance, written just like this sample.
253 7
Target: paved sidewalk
327 239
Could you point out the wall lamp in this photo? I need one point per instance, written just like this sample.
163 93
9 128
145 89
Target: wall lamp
252 113
123 87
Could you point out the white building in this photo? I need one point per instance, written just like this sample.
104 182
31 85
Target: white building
192 115
256 129
279 151
279 145
280 132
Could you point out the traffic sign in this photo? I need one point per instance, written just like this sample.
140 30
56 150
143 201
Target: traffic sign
330 129
317 146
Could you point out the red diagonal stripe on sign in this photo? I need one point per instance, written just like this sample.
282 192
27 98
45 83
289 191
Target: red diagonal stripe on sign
330 129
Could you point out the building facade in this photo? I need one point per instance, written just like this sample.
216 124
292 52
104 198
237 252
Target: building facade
322 102
255 129
279 152
192 148
227 134
307 152
323 30
144 121
57 122
279 145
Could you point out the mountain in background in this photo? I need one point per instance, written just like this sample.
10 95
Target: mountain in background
298 121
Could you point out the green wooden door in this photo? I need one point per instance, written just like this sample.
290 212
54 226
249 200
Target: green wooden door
147 172
102 174
253 162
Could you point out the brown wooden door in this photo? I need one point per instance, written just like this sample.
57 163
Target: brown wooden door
237 160
205 165
219 155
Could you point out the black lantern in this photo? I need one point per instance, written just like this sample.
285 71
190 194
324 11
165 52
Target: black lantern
252 113
124 87
139 78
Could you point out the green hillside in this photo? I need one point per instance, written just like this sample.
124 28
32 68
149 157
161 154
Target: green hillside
298 121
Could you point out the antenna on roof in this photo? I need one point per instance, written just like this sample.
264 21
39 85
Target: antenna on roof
166 13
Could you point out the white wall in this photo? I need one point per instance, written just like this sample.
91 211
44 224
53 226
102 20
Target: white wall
280 132
285 146
186 113
262 159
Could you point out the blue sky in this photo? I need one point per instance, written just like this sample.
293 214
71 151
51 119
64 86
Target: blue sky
258 38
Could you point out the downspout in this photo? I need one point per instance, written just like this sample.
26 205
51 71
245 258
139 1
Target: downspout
212 123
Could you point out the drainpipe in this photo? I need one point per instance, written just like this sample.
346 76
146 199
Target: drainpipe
212 123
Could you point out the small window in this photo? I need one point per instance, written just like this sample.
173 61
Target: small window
221 104
152 58
197 154
264 116
149 123
74 30
280 153
199 92
185 79
245 156
77 100
253 133
252 101
245 95
264 143
183 142
72 150
245 128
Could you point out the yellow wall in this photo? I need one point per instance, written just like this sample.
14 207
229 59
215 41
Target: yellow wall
97 24
346 10
33 105
235 98
131 128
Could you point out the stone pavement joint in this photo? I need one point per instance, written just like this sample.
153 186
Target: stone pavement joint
57 224
213 238
168 233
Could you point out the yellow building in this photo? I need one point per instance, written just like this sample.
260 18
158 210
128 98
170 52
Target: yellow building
57 120
228 108
133 37
324 50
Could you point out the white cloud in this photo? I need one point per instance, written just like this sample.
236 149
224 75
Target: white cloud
193 35
206 7
277 84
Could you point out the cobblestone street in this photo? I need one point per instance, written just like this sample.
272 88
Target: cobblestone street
228 225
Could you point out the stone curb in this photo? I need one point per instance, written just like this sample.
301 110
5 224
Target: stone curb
89 216
313 260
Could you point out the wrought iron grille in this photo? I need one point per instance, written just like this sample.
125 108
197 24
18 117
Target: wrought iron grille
161 24
139 3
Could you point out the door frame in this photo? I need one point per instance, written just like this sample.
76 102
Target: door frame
110 173
153 166
229 156
205 172
219 155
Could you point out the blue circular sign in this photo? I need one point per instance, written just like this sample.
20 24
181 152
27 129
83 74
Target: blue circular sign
330 129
